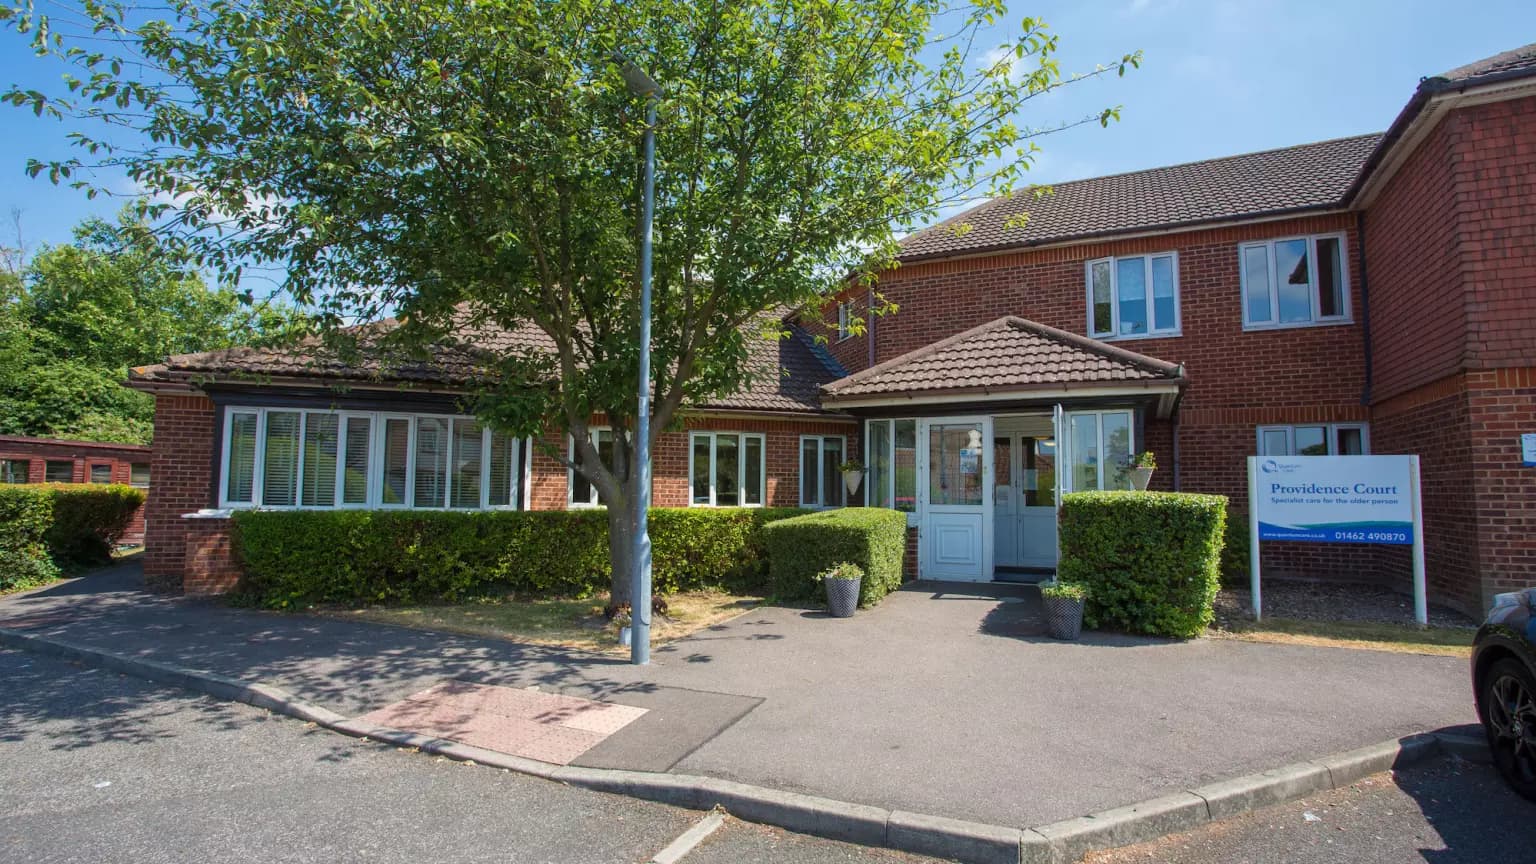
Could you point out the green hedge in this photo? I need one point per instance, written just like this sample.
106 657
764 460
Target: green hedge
89 520
25 514
1234 552
46 526
871 537
337 556
1151 560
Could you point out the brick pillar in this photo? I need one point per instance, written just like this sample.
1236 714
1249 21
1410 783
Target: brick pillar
909 565
208 563
180 470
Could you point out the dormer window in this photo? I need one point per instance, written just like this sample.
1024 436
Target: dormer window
1134 296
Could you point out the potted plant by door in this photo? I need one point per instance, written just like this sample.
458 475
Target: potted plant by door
1140 470
853 475
842 581
1064 608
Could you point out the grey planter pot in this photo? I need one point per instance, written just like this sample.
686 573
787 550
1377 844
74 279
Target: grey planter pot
1063 617
842 596
1140 477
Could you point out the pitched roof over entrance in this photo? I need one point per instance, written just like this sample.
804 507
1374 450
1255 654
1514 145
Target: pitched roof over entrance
1289 180
1009 354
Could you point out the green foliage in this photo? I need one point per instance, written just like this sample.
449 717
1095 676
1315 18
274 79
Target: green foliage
89 520
872 539
841 570
1151 560
293 558
47 526
80 314
1234 552
464 164
25 514
1057 590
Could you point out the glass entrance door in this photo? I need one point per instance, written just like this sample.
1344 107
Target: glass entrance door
957 472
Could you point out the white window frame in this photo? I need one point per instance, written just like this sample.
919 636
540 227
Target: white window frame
821 443
844 317
517 494
1274 322
1330 436
570 472
741 465
1067 468
890 482
1114 334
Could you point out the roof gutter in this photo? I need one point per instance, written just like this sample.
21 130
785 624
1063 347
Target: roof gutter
1128 234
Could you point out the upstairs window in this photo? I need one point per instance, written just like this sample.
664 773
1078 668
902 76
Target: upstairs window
1133 296
1295 282
58 471
844 319
1320 439
101 473
138 475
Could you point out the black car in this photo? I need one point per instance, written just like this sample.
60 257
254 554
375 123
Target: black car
1504 682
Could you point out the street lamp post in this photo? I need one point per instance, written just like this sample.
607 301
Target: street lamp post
641 84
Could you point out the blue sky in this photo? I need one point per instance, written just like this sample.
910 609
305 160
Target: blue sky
1219 77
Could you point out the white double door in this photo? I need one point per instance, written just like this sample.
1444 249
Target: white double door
955 476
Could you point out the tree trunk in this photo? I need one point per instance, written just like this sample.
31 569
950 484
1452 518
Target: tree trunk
621 547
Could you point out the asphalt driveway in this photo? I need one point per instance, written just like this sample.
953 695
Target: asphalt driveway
941 700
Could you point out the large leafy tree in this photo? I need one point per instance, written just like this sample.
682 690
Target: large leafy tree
476 163
76 316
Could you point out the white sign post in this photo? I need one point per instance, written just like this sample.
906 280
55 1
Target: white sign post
1336 499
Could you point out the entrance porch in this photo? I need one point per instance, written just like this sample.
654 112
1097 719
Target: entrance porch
977 438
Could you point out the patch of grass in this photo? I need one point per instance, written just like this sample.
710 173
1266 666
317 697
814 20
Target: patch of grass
564 623
1398 638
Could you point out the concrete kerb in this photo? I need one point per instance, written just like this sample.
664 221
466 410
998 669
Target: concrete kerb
1058 843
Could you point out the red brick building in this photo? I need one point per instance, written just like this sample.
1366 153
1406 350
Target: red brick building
1372 294
51 460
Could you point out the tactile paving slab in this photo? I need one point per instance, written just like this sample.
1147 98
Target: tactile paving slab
528 723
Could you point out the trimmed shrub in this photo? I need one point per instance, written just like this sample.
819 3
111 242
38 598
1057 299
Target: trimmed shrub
1151 560
337 556
89 520
25 514
1234 553
798 549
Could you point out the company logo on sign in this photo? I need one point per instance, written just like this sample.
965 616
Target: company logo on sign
1336 499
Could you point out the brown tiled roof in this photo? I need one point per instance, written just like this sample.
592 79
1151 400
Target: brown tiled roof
1292 179
1521 59
999 356
787 374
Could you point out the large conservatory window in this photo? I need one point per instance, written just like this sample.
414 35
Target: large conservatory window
281 458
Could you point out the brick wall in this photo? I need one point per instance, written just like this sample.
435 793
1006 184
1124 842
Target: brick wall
84 455
1501 404
208 559
1495 173
1451 242
181 468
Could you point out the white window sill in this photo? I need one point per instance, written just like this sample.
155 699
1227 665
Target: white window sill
1297 325
1136 337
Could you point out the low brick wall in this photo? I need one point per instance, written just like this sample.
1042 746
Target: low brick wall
210 566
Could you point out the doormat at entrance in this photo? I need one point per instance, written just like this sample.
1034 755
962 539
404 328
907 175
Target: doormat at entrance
527 723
